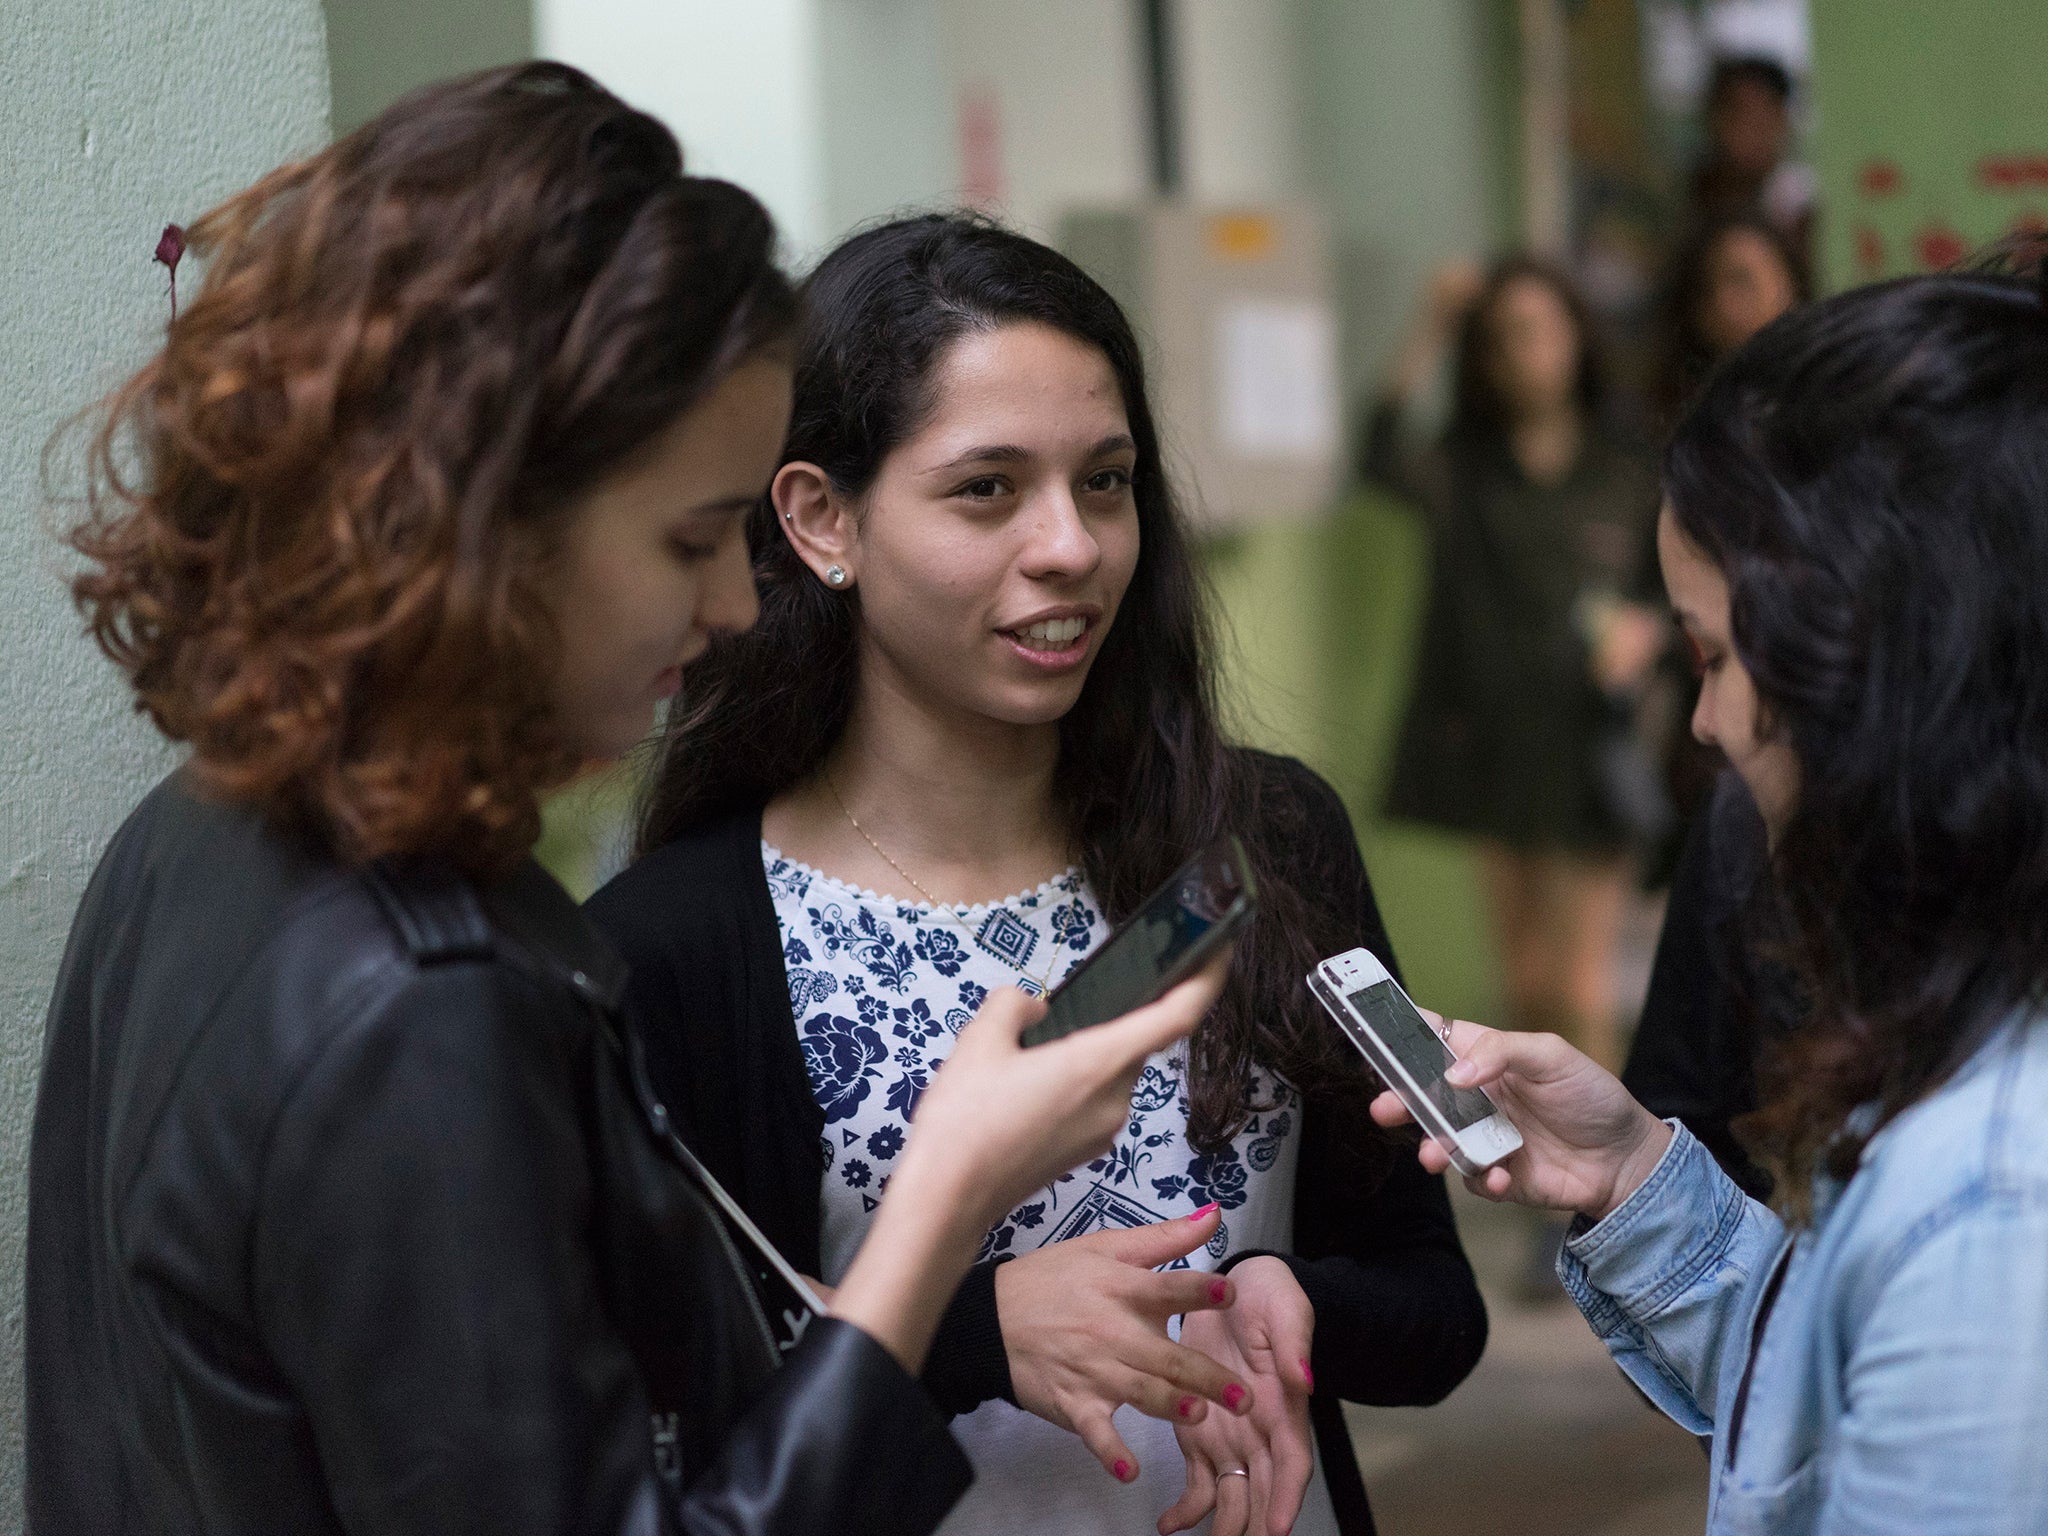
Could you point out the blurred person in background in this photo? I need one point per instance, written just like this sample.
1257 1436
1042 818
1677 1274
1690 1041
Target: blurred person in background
1747 166
1732 277
1714 1000
349 1208
1856 536
984 685
1729 280
1518 730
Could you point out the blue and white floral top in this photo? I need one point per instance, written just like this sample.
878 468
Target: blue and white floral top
879 987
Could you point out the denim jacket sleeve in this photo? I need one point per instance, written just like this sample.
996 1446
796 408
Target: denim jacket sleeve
1670 1274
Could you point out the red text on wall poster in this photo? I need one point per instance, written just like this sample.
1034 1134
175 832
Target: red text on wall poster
1939 247
2012 173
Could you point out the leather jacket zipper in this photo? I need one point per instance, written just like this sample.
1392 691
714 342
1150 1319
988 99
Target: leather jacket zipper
1756 1339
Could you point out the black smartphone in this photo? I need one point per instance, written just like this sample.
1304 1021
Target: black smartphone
1204 906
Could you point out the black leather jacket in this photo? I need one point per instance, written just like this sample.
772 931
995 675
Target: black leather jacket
349 1211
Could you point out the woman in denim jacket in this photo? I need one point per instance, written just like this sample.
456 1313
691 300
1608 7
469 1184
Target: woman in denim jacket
1856 540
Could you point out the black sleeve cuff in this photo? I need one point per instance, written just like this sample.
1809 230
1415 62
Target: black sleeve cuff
968 1365
844 1441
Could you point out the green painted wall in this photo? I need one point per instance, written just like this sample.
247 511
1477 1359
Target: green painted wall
380 49
1930 130
117 116
1321 622
888 100
1407 119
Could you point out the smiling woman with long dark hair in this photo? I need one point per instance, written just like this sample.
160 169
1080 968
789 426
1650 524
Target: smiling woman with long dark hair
349 1206
983 684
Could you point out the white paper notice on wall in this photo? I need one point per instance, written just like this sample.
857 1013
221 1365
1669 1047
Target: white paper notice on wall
1276 379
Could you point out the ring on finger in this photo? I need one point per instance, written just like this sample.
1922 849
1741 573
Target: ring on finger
1243 1472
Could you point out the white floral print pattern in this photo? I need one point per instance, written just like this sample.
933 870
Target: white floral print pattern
878 988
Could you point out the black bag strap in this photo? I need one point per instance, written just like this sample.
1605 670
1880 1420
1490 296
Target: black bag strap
787 1300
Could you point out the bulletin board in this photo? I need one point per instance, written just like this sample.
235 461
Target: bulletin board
1241 345
1930 132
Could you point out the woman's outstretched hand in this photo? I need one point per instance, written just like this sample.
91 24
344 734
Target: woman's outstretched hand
1586 1144
1263 1339
999 1120
1084 1325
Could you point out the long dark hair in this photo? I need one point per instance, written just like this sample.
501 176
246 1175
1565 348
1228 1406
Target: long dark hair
1145 778
321 518
1870 475
1478 409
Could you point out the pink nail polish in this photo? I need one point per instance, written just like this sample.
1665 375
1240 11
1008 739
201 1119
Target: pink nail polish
1204 1211
1233 1395
1308 1376
1123 1471
1218 1289
1187 1406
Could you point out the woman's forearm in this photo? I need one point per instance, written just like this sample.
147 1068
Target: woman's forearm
1453 288
922 1242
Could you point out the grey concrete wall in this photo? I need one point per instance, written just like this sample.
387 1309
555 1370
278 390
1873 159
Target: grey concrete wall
1407 116
116 116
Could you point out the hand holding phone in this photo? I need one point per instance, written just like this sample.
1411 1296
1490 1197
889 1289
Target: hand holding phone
1207 902
1411 1058
996 1123
1586 1144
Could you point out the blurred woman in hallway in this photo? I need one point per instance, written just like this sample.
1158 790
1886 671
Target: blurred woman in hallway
1730 280
1518 730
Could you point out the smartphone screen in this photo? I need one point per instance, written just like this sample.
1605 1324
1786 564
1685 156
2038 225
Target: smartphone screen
1206 901
1416 1046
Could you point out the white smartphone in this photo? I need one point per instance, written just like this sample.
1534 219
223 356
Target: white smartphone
1411 1058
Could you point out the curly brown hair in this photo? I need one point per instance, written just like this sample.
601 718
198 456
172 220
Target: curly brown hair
319 522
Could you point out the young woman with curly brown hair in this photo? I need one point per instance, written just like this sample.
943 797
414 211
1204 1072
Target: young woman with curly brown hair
1856 538
350 1206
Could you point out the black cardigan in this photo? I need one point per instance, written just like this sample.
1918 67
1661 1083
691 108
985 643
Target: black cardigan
1399 1318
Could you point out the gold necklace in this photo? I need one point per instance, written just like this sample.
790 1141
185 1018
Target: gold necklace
1041 982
